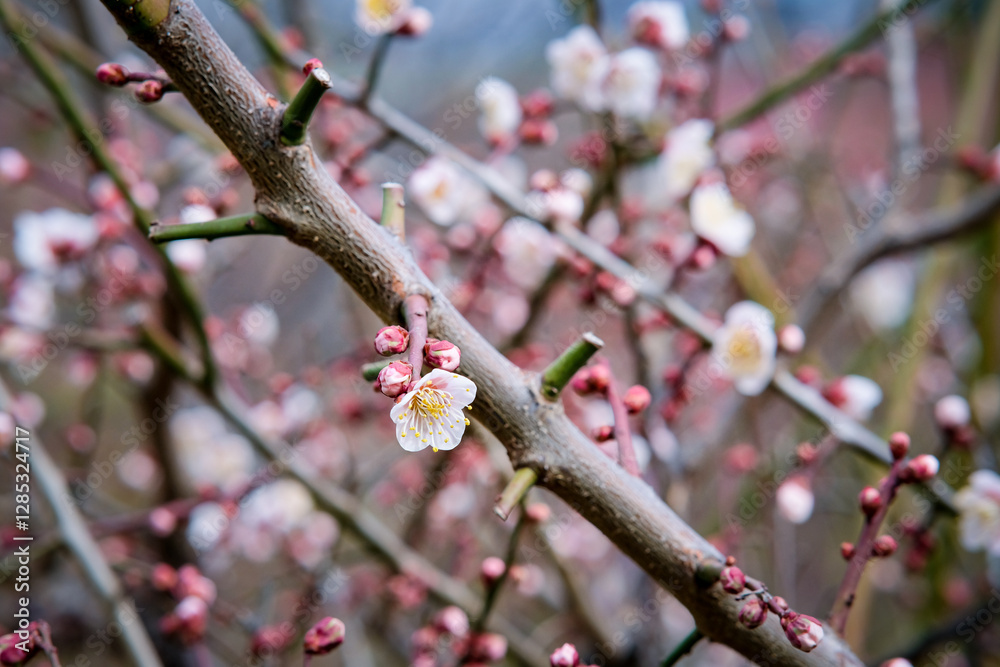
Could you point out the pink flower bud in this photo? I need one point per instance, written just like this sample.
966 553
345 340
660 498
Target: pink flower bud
14 167
870 500
537 512
736 29
188 621
703 257
636 399
847 550
884 546
163 577
754 613
488 647
538 131
325 636
112 74
565 656
899 445
10 654
393 379
732 579
804 632
311 64
604 433
392 340
452 620
779 603
791 338
538 103
417 22
922 468
442 354
492 569
149 91
952 412
269 640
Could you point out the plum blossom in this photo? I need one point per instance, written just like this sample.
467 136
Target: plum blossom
688 153
795 500
430 414
952 412
527 251
745 345
444 192
979 512
579 63
210 455
632 84
883 294
855 395
501 109
32 301
14 167
715 218
661 24
377 17
188 255
43 241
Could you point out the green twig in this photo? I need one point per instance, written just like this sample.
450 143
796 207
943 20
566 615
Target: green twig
394 209
559 372
374 69
513 493
370 371
493 594
683 648
237 225
300 109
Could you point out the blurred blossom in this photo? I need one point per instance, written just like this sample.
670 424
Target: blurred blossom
509 311
979 512
855 395
558 203
310 542
687 154
206 525
985 398
883 294
300 405
444 192
14 167
952 412
207 452
259 324
194 214
661 24
43 241
269 419
377 17
603 227
745 346
500 110
32 301
455 501
528 251
188 254
795 499
139 470
579 63
632 84
577 180
715 218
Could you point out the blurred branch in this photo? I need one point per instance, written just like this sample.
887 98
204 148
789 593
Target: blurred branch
822 66
682 649
74 533
246 224
902 73
374 69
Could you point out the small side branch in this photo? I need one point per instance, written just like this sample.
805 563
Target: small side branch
623 435
683 648
559 372
514 492
300 109
394 209
415 312
237 225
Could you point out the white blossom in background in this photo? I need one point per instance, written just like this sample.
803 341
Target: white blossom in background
194 214
42 241
663 24
745 346
377 17
259 324
883 294
632 84
14 167
561 204
979 512
527 250
188 255
431 415
688 153
208 454
267 515
500 109
32 301
579 63
861 396
716 218
443 192
300 405
952 412
578 180
795 500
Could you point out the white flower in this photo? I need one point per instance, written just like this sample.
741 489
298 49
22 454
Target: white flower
883 293
860 396
259 324
377 17
795 499
527 250
979 512
43 240
717 219
560 203
188 254
632 84
444 192
745 346
661 23
431 414
501 109
196 213
14 167
687 154
207 452
952 412
579 63
32 301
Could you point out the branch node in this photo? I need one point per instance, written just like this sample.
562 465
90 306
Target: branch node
300 109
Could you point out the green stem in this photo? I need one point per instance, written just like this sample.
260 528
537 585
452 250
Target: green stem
300 109
683 648
493 594
237 225
824 65
513 493
394 209
374 69
370 371
559 372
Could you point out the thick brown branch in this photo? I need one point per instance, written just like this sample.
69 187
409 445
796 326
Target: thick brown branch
295 191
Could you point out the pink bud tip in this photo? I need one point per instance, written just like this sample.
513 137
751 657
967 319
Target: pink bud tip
791 338
732 579
804 632
492 569
870 500
311 64
604 433
452 620
884 546
847 550
392 340
112 74
394 378
416 22
325 636
565 656
636 399
442 354
149 91
488 648
754 613
899 444
922 468
10 654
537 512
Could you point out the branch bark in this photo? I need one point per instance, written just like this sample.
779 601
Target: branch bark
294 190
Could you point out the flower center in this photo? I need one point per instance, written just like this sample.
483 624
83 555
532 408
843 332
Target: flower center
744 348
431 403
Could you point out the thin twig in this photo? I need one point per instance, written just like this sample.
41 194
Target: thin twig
246 224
